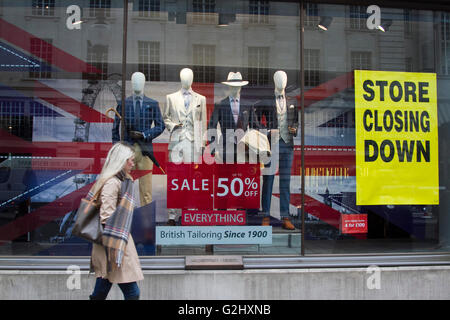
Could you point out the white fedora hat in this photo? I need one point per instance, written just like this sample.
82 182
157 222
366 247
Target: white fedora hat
235 80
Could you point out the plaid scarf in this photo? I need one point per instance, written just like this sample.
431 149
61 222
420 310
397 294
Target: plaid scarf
117 228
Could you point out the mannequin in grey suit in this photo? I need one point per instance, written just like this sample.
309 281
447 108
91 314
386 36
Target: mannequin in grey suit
185 118
281 115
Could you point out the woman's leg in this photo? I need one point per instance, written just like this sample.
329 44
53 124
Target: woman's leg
101 289
130 290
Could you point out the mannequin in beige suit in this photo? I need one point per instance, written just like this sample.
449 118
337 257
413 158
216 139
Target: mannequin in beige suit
185 118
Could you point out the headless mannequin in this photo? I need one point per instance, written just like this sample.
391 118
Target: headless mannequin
142 162
280 81
186 125
186 78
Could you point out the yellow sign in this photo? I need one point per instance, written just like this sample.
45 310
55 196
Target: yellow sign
396 138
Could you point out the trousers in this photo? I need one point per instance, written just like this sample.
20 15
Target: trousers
285 158
102 287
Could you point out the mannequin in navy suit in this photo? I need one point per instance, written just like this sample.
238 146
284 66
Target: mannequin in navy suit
143 123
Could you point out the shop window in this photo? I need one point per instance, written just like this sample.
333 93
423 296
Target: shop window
259 12
45 8
41 49
149 59
149 8
258 64
204 63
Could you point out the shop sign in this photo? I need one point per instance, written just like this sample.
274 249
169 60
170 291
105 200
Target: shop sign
219 186
354 223
396 138
189 235
212 218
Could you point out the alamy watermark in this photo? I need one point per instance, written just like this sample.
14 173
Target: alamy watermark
374 280
73 282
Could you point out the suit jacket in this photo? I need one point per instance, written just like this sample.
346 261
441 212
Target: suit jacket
149 115
268 109
175 113
223 115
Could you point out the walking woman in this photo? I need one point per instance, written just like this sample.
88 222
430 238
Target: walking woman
117 260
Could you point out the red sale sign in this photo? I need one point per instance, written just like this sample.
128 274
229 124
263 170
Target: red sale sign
213 218
219 186
354 223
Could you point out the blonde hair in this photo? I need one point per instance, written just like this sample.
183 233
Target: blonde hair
115 161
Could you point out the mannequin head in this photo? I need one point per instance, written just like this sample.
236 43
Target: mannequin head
138 82
186 77
280 80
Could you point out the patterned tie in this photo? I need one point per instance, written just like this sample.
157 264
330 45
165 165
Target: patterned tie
187 99
137 114
281 103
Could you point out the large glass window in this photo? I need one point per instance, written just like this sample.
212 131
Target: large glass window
223 87
400 44
60 71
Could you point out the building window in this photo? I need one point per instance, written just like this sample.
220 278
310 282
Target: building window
259 11
204 63
409 66
312 67
97 58
100 8
204 6
203 11
358 17
43 8
149 8
149 60
42 48
445 43
311 15
407 21
361 60
258 66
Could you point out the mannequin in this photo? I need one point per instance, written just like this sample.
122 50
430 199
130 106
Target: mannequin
232 115
143 123
185 118
282 117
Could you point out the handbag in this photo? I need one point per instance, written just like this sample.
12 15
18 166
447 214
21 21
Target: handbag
87 225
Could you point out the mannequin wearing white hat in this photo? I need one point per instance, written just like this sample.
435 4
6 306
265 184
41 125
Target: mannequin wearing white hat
185 118
232 113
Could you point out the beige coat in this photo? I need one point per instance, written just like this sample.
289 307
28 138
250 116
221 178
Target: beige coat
130 270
